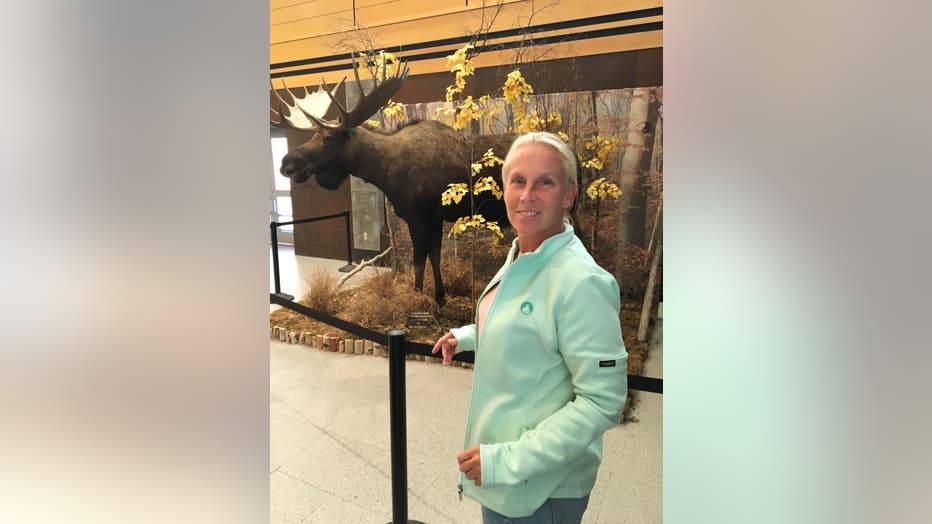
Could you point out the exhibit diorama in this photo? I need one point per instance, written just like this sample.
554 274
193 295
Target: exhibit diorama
428 125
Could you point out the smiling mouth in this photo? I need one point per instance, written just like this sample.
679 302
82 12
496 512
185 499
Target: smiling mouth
528 213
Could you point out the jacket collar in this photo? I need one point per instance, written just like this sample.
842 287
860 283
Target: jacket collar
543 252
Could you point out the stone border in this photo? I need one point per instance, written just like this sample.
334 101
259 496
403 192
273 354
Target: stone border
334 344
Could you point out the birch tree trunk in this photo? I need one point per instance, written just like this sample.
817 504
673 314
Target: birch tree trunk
656 239
657 162
642 118
648 304
391 234
657 218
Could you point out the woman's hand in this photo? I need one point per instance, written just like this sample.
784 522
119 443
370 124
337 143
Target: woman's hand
447 343
471 464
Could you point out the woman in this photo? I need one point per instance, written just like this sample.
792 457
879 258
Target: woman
551 368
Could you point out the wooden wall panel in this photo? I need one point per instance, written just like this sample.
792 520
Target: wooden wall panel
313 31
641 68
584 48
327 238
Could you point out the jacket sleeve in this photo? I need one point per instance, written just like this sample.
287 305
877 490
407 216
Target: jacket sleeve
589 337
465 338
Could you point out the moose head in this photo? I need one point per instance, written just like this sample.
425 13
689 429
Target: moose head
322 155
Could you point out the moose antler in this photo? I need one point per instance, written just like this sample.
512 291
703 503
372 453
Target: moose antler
309 109
303 110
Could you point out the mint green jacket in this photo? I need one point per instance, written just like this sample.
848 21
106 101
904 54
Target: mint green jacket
550 377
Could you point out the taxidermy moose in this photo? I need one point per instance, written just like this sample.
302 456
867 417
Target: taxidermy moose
412 166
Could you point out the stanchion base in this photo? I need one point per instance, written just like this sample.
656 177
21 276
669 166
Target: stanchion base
286 296
347 268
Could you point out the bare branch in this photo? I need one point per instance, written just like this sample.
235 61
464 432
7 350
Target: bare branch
528 51
363 265
480 36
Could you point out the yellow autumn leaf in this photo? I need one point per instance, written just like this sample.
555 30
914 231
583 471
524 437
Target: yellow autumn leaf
453 194
490 159
595 163
461 66
393 110
463 224
487 184
492 110
602 189
493 227
593 190
516 88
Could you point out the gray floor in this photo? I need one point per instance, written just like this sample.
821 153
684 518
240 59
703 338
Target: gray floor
330 448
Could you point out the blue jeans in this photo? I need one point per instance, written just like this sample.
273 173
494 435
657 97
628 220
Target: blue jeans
553 511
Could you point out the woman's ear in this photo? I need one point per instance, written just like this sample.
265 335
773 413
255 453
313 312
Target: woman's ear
570 197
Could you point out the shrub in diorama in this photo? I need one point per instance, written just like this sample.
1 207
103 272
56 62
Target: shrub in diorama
322 290
384 300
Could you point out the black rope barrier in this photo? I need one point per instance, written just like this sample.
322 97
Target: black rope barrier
636 382
649 384
314 219
361 332
412 348
273 226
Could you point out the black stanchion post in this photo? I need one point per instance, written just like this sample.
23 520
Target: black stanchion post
349 248
398 427
278 284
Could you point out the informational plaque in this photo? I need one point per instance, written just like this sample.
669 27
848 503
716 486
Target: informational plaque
367 215
419 319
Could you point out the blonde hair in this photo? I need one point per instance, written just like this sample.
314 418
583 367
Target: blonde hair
566 155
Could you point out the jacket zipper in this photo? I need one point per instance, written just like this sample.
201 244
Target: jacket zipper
488 313
472 396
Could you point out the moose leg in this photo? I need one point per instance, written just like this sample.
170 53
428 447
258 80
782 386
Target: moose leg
436 240
419 239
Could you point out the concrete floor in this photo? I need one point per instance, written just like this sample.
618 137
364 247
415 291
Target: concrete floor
330 444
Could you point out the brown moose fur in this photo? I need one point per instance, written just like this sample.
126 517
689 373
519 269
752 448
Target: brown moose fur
413 166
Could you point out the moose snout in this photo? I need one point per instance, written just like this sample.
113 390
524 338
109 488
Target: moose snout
293 167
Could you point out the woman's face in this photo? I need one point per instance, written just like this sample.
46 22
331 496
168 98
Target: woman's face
536 195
